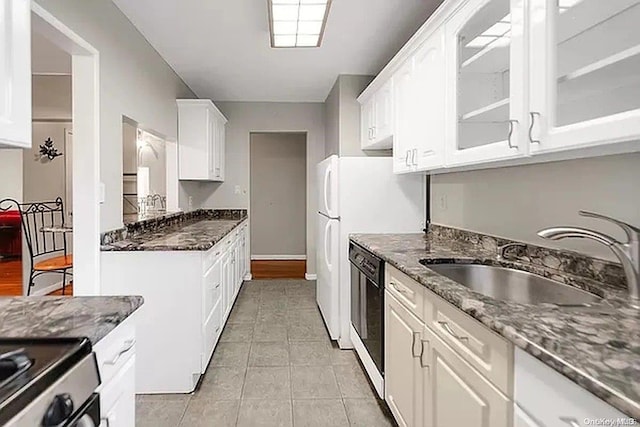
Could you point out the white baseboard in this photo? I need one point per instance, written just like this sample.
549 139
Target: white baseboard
39 292
278 257
308 276
247 276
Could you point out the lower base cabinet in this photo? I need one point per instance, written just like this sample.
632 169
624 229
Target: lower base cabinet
428 384
188 297
116 357
403 373
457 395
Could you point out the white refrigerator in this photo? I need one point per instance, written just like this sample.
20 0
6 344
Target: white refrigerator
357 195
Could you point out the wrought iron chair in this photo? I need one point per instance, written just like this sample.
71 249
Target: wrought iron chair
36 218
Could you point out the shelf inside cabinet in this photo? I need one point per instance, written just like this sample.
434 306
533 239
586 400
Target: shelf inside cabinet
493 58
613 70
495 112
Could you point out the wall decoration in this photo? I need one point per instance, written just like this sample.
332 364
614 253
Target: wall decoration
48 150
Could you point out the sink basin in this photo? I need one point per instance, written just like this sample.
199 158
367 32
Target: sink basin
508 284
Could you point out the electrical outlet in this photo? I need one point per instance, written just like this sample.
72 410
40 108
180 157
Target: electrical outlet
237 189
442 202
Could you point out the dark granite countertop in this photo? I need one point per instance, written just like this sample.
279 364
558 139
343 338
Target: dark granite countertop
43 317
596 347
194 235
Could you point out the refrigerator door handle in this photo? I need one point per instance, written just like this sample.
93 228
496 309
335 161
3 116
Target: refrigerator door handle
326 190
327 229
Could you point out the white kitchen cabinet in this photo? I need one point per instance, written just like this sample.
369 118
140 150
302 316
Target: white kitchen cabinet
116 357
419 105
587 90
455 394
15 73
188 298
403 374
485 59
201 140
377 119
549 399
405 127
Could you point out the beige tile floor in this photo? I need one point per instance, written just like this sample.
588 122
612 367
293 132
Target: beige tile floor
274 366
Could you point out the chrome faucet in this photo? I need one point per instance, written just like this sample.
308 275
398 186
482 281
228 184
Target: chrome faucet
628 253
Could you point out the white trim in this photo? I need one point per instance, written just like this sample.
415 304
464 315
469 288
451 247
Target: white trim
369 366
247 276
35 292
308 276
86 156
278 257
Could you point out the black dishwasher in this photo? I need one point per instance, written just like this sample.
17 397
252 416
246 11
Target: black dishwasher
367 301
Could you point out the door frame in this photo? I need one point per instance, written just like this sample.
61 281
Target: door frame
87 188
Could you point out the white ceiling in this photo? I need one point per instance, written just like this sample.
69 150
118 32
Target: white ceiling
221 47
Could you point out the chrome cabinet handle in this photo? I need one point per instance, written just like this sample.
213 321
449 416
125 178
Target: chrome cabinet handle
416 336
414 154
406 159
450 331
511 122
107 421
533 121
422 362
128 345
394 286
373 132
570 421
217 286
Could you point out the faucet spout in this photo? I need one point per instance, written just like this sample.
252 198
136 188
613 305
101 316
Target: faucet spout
559 233
628 253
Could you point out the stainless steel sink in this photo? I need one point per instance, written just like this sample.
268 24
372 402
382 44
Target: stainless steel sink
513 285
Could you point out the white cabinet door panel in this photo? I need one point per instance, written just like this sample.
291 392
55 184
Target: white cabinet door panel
589 94
15 73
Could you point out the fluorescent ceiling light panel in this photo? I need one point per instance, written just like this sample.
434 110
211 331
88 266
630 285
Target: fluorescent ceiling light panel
297 23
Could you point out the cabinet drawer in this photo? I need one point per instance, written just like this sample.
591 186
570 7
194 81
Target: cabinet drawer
118 398
114 350
210 257
406 290
212 289
485 350
550 399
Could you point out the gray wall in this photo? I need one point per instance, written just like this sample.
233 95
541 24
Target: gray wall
332 121
250 117
134 81
51 97
278 194
11 174
515 202
342 112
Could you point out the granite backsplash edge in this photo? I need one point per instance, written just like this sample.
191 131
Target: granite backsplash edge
563 261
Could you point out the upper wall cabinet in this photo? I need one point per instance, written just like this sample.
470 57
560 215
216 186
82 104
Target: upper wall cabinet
585 73
376 118
15 73
419 102
201 140
485 64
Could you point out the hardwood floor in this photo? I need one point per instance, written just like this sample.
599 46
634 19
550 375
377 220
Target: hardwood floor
10 277
280 269
11 280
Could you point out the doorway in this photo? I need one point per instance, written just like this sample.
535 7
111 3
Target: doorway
72 176
278 194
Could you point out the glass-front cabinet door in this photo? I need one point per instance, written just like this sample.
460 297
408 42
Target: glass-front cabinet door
585 73
486 92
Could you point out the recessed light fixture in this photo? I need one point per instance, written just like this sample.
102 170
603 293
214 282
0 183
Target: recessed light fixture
297 23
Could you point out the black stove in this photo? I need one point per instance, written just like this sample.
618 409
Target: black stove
48 382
